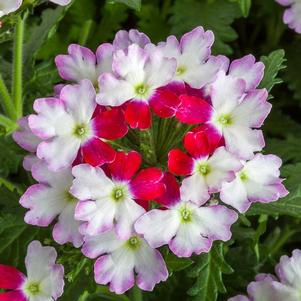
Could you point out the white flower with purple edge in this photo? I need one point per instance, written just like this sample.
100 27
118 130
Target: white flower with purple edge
136 77
109 202
123 39
184 226
292 15
257 181
51 199
67 125
44 280
195 65
124 262
286 286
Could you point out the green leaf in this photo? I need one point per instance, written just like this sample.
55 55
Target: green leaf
291 204
244 5
292 76
39 33
217 16
274 62
208 272
10 156
153 23
176 264
135 4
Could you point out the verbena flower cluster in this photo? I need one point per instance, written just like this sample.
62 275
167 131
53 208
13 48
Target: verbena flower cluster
286 286
292 15
9 6
99 198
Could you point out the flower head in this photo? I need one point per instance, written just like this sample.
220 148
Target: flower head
118 260
108 202
44 280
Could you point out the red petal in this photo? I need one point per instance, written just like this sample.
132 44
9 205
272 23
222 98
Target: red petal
172 193
138 115
165 103
125 165
144 204
193 110
147 184
110 124
10 277
97 152
12 296
204 135
179 163
166 100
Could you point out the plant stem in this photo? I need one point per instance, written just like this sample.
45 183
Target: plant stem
85 32
18 67
136 294
7 100
9 125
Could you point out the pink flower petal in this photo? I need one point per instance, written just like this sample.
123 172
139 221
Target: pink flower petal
147 184
110 124
125 165
138 115
96 152
10 277
172 193
179 163
13 296
193 110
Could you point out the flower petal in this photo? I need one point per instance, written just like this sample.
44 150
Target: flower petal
123 39
13 296
158 227
147 184
172 193
80 63
138 115
195 189
110 124
24 137
193 110
150 268
253 110
96 152
125 165
79 101
10 277
179 163
90 183
248 70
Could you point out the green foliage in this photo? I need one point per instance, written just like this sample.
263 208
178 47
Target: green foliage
274 62
208 272
292 75
135 4
176 264
217 16
245 6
